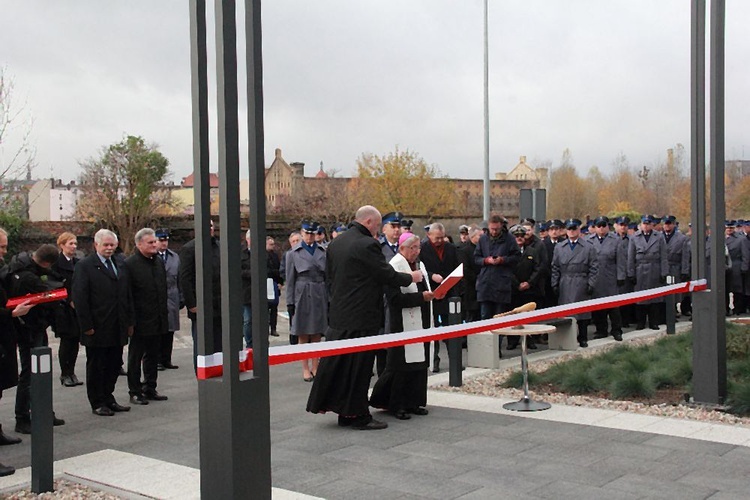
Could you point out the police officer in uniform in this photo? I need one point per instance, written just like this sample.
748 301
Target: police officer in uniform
574 272
391 230
627 312
678 252
739 252
612 261
647 268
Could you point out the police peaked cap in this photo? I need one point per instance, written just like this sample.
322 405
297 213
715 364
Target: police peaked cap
309 227
393 218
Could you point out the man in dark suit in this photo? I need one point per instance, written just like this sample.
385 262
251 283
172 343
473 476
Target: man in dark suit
188 282
356 272
148 283
469 303
101 294
440 258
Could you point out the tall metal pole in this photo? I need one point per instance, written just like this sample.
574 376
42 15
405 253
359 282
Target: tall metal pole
234 417
486 197
709 327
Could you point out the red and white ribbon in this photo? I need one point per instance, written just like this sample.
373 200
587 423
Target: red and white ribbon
212 365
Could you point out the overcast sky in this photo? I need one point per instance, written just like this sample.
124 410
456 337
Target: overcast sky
343 77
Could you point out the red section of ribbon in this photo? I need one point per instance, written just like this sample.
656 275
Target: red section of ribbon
289 354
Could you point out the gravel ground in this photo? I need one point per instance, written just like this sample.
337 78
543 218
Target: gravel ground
65 489
490 385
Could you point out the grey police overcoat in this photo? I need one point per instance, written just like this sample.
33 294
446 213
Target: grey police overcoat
647 262
306 289
574 270
612 261
739 252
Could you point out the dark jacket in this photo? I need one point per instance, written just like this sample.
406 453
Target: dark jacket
356 273
530 268
246 274
471 270
8 358
148 284
103 302
495 282
65 323
273 263
188 279
26 276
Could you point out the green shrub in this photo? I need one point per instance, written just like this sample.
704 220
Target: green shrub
739 397
738 340
632 385
662 376
634 361
579 381
515 380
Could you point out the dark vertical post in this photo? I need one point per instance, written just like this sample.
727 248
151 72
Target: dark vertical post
709 337
455 361
234 409
259 418
41 424
671 317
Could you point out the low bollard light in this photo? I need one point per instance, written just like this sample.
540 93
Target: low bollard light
454 345
41 420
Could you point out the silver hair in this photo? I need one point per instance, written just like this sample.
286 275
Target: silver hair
473 230
102 233
436 226
146 231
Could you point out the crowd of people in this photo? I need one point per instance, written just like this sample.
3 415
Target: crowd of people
373 276
111 301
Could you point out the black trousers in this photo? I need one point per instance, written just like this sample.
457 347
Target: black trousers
27 340
600 320
165 349
143 349
102 369
68 354
273 315
583 330
644 310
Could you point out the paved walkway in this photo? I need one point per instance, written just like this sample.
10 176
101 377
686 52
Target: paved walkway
468 447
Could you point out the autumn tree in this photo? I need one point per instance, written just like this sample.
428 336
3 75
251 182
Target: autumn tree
404 181
569 195
122 190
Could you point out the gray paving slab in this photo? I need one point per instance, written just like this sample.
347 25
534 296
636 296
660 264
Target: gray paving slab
449 454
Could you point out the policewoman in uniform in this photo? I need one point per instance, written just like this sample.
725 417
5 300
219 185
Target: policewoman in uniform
306 293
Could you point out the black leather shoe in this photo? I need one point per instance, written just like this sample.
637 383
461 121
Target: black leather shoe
57 421
531 345
274 333
154 396
368 424
401 415
583 344
6 440
23 426
103 411
654 327
138 399
640 327
67 381
511 346
170 366
617 336
345 422
418 411
117 407
75 380
160 367
6 470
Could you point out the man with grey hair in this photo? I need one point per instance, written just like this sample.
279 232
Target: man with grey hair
148 284
101 294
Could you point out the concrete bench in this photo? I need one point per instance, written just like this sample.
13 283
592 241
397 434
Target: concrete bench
483 350
566 336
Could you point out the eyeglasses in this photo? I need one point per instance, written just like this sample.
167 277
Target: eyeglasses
602 225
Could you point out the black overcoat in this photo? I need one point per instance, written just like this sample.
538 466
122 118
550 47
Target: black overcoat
103 302
65 323
148 284
356 273
8 358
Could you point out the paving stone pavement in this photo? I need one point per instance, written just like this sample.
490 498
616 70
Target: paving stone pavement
461 452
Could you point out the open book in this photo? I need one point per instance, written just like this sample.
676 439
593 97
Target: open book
449 282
